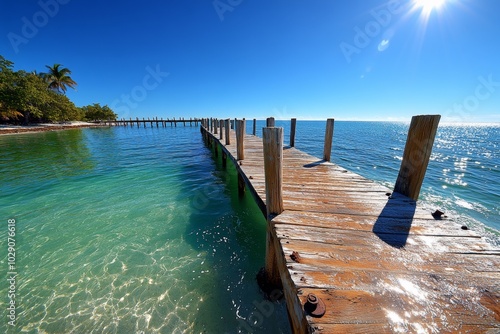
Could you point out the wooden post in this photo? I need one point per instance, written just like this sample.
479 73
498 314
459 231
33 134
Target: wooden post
240 138
221 127
224 158
327 151
416 155
270 122
216 125
254 126
228 142
293 125
273 158
241 185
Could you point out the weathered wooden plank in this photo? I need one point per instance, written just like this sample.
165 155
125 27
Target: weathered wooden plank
429 226
404 310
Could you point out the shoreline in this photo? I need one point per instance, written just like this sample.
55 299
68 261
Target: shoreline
16 129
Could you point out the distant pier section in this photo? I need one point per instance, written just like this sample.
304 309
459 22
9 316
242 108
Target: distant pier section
152 122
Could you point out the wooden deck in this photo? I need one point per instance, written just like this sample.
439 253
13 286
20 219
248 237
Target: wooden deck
380 262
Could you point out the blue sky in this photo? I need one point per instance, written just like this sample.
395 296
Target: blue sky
350 60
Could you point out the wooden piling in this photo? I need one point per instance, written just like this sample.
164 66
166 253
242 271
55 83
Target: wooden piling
228 121
327 151
272 139
270 122
221 127
216 125
254 127
224 159
416 155
293 125
241 185
240 138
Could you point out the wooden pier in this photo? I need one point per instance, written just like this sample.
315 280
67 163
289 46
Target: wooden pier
377 260
152 122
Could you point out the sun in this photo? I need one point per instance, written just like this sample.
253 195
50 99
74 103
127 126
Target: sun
427 6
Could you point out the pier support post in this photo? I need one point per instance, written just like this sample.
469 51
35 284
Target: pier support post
241 185
327 151
270 122
240 138
273 168
224 159
416 155
228 121
221 127
293 125
216 125
254 126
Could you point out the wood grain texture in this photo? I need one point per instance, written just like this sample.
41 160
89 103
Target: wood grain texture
381 262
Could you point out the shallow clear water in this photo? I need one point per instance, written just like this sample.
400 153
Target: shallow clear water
126 230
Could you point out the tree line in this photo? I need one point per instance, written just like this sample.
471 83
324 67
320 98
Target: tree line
31 97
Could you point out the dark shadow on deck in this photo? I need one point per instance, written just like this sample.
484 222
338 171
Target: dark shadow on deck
394 222
314 164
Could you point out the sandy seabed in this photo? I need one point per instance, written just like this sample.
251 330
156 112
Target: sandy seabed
13 129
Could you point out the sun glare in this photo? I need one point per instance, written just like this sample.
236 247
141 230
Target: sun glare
427 6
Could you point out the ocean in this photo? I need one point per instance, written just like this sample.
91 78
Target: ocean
141 230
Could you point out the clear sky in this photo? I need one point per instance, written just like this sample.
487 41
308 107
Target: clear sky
309 59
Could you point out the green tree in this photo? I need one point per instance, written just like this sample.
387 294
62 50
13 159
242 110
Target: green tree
95 112
25 93
58 78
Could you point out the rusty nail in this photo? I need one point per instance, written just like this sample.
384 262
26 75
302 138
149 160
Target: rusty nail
314 306
295 256
437 214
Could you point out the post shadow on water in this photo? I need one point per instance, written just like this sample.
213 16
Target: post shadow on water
393 224
230 230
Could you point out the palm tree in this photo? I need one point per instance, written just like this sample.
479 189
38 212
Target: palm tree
58 78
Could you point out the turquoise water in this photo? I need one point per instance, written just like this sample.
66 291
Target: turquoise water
462 179
124 230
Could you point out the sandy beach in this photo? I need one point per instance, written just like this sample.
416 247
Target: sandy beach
13 129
